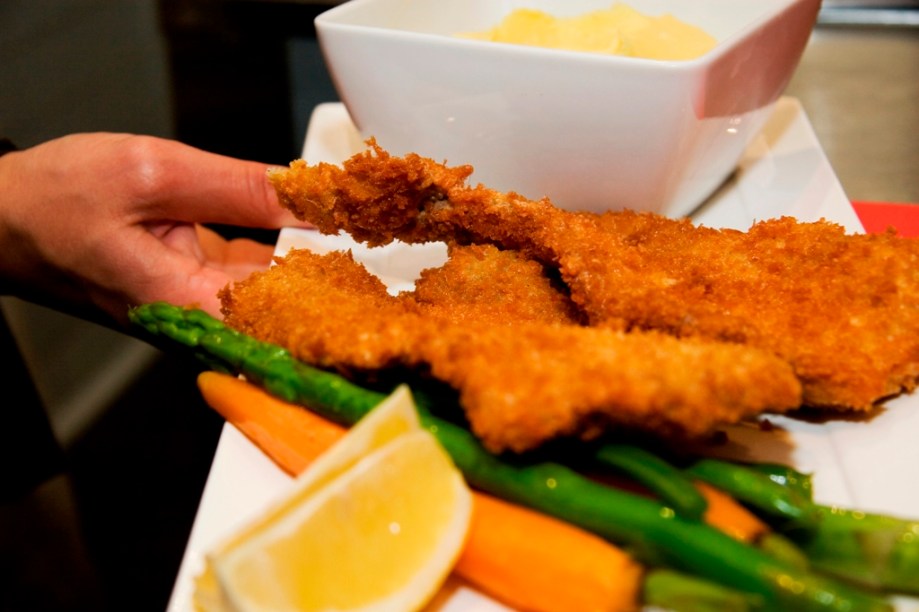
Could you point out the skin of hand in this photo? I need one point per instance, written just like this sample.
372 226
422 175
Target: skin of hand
91 224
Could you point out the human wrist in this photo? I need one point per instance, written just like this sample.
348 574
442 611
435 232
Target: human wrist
12 265
6 146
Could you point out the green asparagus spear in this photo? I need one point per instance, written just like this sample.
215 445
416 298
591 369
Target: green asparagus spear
869 549
651 529
226 350
758 491
787 476
660 477
668 590
781 547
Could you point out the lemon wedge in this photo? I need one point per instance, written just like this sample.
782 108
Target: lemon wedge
376 523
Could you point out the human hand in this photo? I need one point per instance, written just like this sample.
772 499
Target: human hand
92 224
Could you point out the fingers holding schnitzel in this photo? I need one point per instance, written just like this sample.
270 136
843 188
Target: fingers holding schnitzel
370 183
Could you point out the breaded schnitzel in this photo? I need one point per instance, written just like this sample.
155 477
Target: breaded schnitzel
525 376
843 310
326 310
480 283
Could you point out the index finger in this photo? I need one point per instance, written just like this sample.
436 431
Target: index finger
192 185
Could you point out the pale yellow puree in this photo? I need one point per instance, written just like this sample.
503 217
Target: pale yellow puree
619 30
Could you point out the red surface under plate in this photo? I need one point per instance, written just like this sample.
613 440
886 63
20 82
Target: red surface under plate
879 216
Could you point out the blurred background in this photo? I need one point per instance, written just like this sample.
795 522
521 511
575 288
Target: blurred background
240 77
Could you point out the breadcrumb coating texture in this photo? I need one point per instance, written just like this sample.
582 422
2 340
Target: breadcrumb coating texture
494 326
841 309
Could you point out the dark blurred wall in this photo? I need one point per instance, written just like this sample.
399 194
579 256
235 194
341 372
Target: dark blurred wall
237 77
231 76
72 66
244 75
237 68
82 65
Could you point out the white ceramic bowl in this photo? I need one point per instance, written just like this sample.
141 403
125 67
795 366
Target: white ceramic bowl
591 132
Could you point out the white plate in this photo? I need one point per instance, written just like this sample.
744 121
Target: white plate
867 465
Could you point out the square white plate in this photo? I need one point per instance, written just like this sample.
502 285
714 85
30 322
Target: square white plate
862 464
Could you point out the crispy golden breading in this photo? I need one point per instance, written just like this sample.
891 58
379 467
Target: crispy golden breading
481 283
523 380
843 310
318 307
524 384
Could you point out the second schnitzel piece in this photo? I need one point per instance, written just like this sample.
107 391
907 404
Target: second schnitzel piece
480 283
524 375
524 384
842 309
326 309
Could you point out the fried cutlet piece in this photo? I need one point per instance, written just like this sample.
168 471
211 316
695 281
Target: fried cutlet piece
522 381
843 310
318 307
378 198
522 385
482 283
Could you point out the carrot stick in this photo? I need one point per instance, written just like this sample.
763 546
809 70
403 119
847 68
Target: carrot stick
528 560
726 514
291 436
536 562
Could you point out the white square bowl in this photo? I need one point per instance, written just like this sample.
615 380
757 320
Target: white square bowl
591 132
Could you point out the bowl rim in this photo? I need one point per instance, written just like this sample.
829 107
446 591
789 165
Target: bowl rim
331 20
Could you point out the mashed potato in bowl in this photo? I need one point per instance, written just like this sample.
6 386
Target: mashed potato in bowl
618 30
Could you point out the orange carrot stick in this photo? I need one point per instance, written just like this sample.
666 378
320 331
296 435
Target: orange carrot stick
536 562
291 436
725 513
526 559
